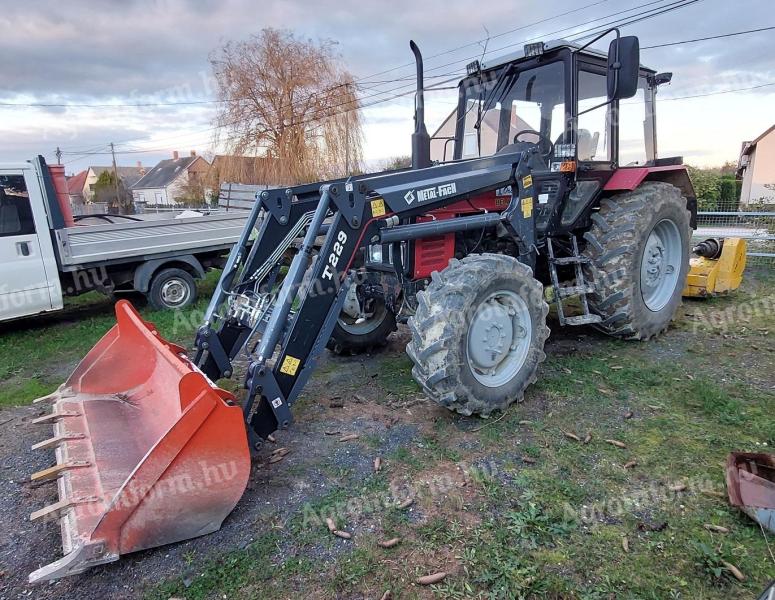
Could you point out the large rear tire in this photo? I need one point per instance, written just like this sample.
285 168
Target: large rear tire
478 334
638 248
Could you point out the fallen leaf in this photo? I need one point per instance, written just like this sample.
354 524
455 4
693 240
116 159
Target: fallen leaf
336 432
431 579
276 458
629 414
567 370
734 570
678 487
616 367
571 435
528 460
331 525
406 503
526 422
588 437
342 534
377 464
596 372
617 443
387 595
390 543
348 437
716 528
625 544
604 391
631 464
690 377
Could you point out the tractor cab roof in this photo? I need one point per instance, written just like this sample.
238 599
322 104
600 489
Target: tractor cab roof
548 47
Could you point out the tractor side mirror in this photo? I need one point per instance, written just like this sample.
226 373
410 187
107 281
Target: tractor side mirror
623 67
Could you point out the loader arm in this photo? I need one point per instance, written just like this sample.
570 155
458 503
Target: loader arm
365 210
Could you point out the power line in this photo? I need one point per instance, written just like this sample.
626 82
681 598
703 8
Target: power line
745 89
647 14
711 37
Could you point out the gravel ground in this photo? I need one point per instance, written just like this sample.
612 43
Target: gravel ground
275 492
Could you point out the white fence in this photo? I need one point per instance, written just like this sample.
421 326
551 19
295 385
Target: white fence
757 228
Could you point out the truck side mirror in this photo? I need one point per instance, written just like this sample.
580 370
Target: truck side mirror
623 67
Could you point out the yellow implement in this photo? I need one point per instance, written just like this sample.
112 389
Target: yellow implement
717 268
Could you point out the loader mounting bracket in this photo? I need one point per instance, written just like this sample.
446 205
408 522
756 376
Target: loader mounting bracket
278 204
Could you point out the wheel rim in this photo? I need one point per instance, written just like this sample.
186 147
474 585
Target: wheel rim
660 265
175 292
499 338
356 321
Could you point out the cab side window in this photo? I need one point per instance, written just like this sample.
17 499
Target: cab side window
592 128
15 210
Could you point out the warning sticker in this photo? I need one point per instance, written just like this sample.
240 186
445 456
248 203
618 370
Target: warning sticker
527 181
290 365
377 207
527 207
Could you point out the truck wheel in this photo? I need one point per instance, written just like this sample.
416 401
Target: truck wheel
358 330
478 334
638 248
172 288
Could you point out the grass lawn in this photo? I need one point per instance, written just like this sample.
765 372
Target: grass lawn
606 482
36 355
529 511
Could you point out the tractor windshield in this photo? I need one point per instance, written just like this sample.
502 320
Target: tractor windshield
510 100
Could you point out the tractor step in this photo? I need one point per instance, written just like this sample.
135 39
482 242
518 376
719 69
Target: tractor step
589 319
570 260
574 290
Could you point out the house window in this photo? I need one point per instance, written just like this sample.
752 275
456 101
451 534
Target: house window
158 196
141 197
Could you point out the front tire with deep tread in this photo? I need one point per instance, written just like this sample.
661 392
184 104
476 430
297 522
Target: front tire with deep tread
615 245
440 328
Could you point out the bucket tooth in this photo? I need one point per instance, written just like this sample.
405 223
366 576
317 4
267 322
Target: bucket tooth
55 416
57 440
58 507
57 470
63 391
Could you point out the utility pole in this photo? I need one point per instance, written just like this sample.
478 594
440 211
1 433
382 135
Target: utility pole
58 155
115 176
347 140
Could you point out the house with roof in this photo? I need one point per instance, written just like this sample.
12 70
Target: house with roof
127 175
171 181
75 185
756 167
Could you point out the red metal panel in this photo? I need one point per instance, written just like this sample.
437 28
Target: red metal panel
628 178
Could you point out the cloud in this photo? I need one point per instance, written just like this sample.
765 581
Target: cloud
139 50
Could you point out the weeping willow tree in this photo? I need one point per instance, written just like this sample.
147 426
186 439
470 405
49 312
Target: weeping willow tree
290 101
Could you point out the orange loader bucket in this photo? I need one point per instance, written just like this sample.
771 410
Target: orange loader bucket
148 450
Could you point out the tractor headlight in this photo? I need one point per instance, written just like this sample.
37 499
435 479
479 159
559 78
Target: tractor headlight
375 253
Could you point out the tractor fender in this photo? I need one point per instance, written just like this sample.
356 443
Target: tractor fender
144 273
629 178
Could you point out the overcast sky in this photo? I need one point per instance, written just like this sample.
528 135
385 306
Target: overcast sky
119 52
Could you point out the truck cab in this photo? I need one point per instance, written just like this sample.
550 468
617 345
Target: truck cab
28 265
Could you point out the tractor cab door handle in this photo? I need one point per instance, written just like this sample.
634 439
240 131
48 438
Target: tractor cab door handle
23 248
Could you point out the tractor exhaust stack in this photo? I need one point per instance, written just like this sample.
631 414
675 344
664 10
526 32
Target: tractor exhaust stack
421 141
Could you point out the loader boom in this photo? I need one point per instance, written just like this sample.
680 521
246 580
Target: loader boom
362 210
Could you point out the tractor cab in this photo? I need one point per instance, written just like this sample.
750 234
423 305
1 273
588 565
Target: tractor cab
584 113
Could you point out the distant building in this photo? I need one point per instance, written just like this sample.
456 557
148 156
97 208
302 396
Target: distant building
756 168
75 185
172 181
128 176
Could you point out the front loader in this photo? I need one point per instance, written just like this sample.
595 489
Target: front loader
534 205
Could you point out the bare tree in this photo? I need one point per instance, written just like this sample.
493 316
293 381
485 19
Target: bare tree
291 100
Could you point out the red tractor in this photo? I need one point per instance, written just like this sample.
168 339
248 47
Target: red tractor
555 191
